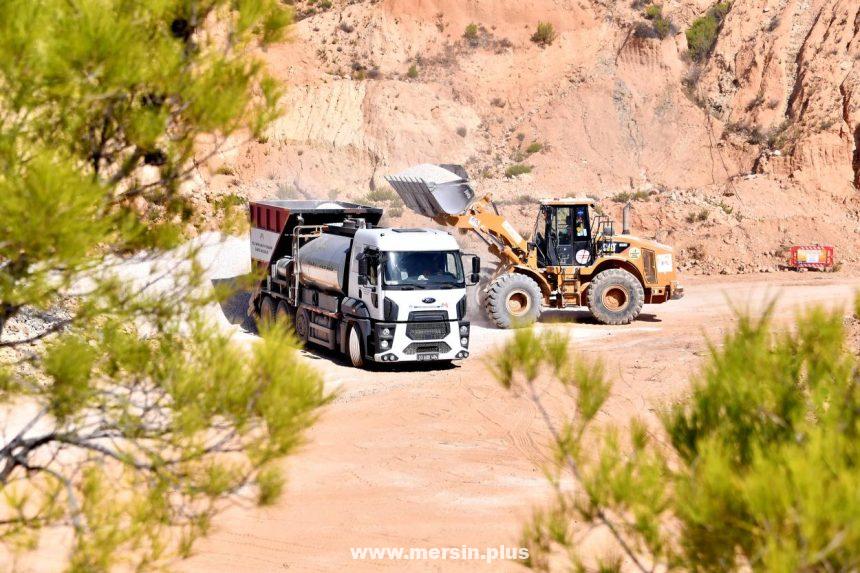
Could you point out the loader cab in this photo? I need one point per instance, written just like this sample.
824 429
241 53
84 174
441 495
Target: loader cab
563 234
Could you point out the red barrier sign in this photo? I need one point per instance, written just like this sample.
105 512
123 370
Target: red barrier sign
811 257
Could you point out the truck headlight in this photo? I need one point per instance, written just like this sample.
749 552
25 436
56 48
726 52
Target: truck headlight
386 332
384 344
464 341
464 330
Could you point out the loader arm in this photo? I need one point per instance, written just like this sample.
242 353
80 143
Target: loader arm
483 218
445 194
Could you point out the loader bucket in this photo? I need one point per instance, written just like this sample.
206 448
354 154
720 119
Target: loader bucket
433 190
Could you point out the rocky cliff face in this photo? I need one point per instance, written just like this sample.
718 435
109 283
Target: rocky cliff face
788 72
732 158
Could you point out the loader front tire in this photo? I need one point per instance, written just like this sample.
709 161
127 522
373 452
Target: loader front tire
513 301
615 296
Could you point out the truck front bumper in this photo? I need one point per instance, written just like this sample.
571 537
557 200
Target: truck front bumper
404 346
677 291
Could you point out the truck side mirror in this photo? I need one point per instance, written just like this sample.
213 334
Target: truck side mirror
475 276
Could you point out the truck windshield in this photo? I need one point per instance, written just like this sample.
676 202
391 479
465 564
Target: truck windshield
423 270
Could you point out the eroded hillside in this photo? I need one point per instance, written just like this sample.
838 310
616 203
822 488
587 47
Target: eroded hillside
732 154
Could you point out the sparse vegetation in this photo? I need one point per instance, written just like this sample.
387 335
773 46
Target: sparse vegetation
462 131
517 169
658 26
545 34
521 199
224 170
383 197
497 102
702 34
698 216
413 72
625 196
534 147
471 34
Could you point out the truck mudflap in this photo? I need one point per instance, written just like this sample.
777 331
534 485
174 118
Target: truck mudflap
411 342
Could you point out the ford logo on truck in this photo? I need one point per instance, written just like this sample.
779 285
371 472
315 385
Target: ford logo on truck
428 300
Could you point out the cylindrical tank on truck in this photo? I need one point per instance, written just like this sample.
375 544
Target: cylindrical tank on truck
323 263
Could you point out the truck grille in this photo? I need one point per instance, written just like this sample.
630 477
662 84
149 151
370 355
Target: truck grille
428 325
427 348
650 266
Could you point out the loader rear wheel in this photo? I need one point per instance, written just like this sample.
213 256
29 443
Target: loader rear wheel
267 309
513 301
615 297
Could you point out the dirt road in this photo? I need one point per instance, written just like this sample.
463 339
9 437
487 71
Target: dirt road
424 458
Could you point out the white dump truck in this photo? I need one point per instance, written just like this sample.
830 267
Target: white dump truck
375 294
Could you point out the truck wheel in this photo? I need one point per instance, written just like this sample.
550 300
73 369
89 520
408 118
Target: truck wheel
283 314
302 324
514 300
615 296
354 347
267 309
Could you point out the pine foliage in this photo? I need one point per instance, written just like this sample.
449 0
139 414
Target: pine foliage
758 469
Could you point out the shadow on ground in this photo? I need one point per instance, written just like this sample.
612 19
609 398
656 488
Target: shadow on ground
235 304
582 316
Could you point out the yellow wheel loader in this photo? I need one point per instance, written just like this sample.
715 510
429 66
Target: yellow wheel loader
574 258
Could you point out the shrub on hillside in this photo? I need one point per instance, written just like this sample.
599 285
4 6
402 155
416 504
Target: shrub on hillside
545 34
534 147
471 34
702 34
517 169
660 26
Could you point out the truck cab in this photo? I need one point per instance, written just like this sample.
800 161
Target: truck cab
412 283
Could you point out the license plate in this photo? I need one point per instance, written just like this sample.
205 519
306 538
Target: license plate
422 357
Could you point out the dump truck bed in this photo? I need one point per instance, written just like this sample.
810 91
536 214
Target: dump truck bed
274 219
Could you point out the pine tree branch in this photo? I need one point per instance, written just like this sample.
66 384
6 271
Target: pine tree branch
574 469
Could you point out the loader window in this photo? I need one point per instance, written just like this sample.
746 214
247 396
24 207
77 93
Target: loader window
568 235
409 270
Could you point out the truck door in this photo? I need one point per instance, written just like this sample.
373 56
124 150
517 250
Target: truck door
368 292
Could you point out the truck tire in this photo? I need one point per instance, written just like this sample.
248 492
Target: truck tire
354 347
284 314
514 301
303 327
615 296
267 309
